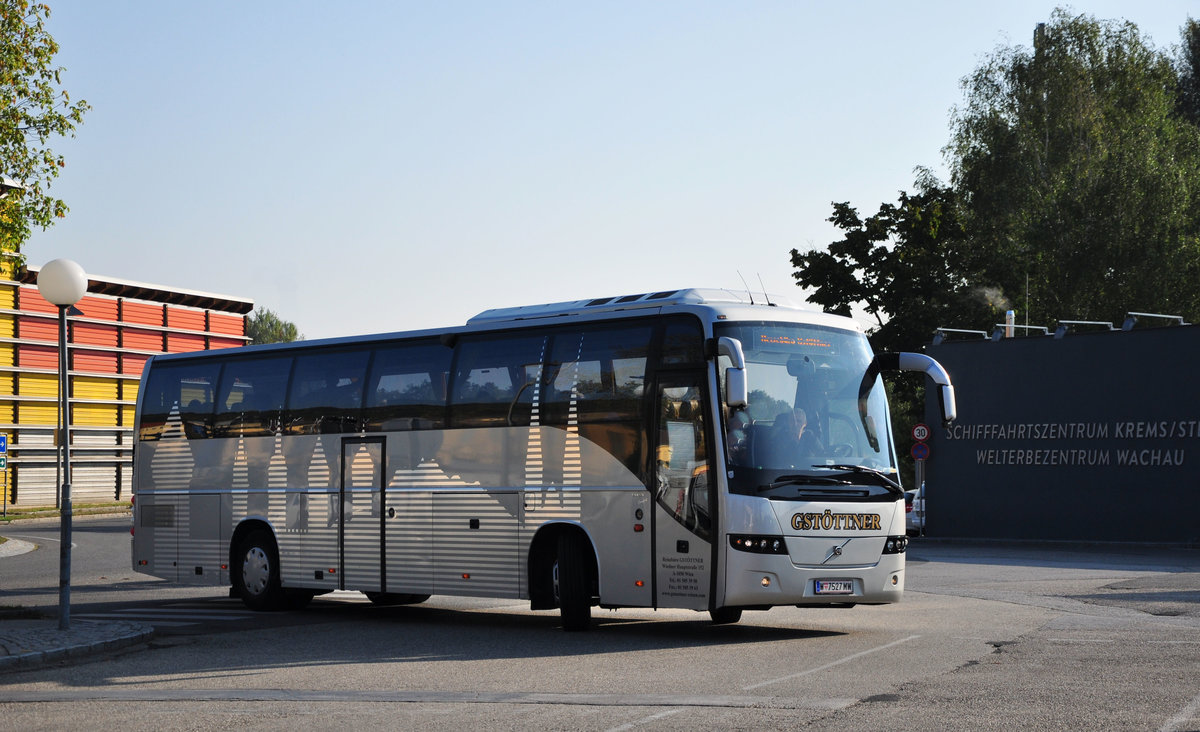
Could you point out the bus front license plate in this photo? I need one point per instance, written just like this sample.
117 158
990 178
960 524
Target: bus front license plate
834 587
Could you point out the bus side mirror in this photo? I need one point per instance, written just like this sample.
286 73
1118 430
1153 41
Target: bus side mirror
949 406
737 390
907 362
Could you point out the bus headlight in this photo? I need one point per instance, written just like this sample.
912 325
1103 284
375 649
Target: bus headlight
895 545
758 544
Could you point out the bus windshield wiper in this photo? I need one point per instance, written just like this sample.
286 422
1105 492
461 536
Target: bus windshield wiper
881 477
785 480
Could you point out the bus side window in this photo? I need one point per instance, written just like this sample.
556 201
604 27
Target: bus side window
601 373
494 379
407 388
681 458
326 394
682 343
189 388
251 396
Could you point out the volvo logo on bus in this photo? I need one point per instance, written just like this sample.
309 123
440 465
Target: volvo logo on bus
830 521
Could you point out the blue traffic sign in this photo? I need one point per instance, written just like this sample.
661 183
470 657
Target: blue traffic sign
3 443
920 451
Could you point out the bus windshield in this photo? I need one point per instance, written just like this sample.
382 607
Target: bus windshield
802 425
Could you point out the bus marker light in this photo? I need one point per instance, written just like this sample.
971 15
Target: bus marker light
466 576
332 570
142 562
639 583
638 528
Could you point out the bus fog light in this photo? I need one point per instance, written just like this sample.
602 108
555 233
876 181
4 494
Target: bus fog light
766 581
895 580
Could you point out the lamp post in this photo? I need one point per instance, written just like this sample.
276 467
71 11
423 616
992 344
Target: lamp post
63 282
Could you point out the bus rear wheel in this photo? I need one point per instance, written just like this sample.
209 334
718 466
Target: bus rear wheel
573 582
256 571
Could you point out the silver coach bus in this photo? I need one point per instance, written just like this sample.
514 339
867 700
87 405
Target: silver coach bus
684 449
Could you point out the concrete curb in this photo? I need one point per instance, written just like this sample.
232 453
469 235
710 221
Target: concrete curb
13 547
29 643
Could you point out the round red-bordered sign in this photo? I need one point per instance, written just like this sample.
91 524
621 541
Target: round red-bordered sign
920 451
920 432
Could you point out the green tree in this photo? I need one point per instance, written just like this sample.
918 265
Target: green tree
1188 68
1078 176
33 108
910 267
264 326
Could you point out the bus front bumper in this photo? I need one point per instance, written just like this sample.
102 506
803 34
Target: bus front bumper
758 579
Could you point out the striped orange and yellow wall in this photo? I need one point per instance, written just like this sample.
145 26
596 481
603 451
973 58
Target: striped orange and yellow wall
120 325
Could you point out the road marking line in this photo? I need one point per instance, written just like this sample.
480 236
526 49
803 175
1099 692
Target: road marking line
838 662
1185 715
1081 640
29 537
646 720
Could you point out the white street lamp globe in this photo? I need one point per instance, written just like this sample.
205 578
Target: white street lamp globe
62 282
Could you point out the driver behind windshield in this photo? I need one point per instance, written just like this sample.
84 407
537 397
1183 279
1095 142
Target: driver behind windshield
789 440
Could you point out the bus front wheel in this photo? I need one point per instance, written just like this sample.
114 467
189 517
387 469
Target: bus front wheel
256 573
725 615
573 582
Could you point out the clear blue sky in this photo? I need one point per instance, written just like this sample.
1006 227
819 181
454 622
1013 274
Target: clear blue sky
363 167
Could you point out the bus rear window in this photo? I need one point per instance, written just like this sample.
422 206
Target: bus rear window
186 388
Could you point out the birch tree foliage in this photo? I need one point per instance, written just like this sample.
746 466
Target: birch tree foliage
34 110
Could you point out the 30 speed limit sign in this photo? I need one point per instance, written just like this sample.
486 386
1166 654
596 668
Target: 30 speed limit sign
920 432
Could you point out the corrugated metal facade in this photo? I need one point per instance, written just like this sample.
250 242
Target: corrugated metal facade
122 324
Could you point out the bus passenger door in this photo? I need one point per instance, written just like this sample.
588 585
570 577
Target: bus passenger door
683 520
360 529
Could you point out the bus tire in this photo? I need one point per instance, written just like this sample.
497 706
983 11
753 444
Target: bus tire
573 581
725 615
256 571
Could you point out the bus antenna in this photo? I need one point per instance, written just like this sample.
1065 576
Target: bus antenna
751 294
764 289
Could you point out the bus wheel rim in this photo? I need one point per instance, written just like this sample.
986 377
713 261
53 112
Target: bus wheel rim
256 571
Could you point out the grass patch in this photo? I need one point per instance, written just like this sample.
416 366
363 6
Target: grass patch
77 509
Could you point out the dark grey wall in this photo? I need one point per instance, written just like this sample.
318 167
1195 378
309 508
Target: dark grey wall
1093 437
